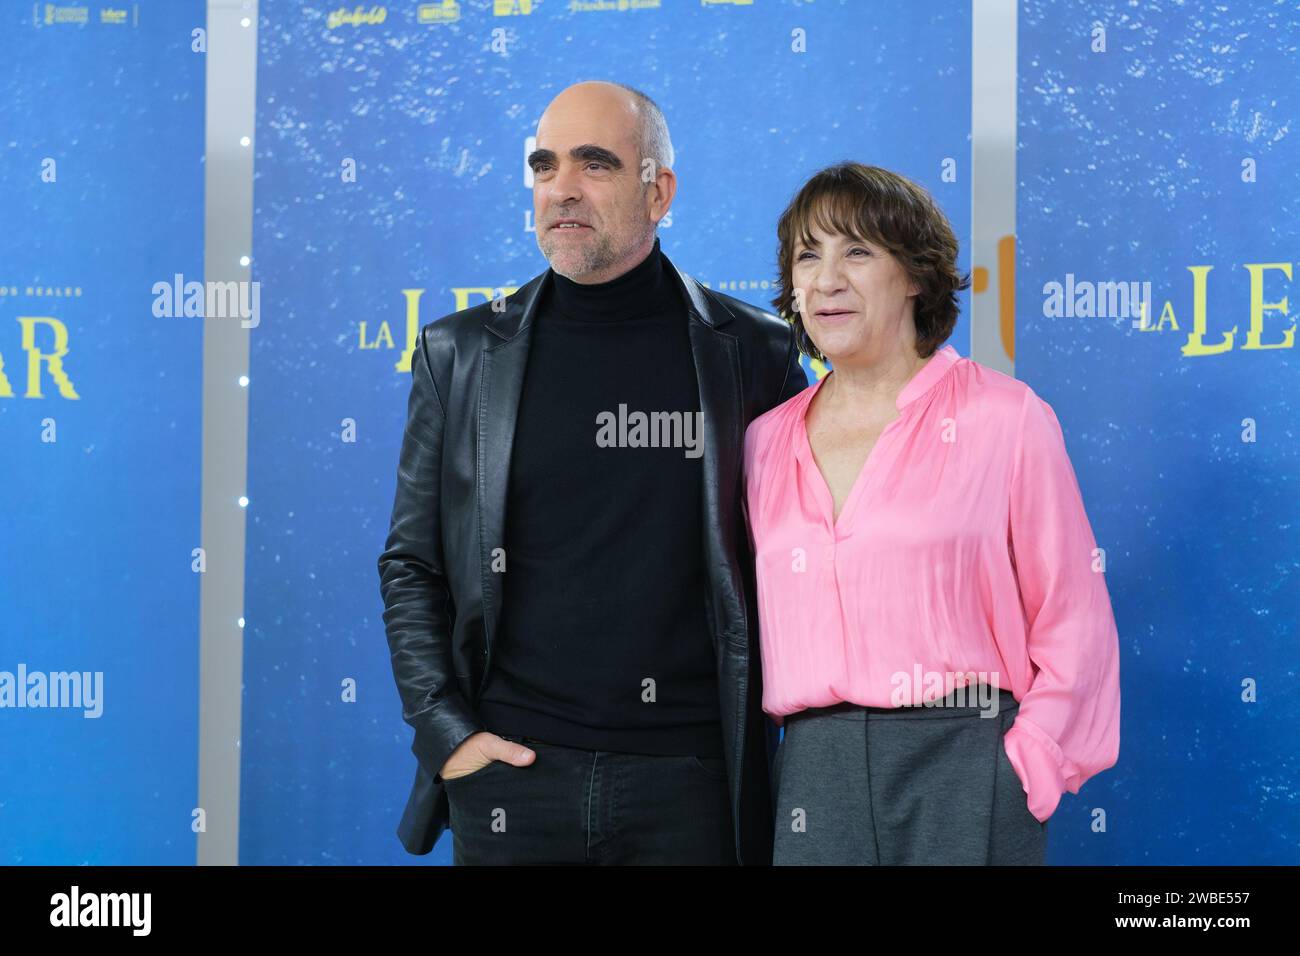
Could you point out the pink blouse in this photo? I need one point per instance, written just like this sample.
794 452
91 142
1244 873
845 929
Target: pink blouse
962 547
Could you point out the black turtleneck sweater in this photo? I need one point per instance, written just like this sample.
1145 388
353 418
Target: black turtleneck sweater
604 642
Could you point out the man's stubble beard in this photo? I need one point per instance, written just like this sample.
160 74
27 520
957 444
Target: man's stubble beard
593 257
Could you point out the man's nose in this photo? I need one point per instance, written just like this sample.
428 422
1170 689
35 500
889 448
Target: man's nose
563 186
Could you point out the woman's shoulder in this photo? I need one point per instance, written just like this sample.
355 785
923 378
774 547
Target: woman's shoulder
1009 406
993 393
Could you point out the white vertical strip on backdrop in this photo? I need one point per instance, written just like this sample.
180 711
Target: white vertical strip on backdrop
993 185
228 236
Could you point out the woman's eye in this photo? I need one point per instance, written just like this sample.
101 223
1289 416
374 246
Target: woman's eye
802 255
860 249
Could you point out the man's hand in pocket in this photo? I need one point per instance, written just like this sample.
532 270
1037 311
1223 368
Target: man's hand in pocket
479 750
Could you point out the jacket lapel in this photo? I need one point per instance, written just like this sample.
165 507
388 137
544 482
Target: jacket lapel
718 372
501 380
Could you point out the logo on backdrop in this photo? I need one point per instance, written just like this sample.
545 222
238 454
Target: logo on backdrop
410 324
42 360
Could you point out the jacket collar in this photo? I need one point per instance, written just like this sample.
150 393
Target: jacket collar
521 308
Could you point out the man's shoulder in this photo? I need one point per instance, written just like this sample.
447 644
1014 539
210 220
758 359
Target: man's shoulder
752 319
767 344
465 328
458 328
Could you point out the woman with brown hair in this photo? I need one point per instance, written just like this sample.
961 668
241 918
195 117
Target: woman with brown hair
924 560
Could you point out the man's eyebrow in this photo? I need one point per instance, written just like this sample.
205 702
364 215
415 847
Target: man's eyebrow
588 152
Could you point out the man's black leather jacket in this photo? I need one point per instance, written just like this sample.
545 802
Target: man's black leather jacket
442 599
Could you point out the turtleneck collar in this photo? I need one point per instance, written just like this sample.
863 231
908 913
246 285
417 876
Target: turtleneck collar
643 290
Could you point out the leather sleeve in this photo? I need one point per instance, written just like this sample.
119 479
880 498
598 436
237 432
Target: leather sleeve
417 604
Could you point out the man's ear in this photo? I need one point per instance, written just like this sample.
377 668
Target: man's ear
660 195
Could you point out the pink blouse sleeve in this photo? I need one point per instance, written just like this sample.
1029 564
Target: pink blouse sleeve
1067 727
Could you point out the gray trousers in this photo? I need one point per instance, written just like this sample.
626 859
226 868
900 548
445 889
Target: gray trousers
909 785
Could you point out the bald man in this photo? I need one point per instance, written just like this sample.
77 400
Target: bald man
567 581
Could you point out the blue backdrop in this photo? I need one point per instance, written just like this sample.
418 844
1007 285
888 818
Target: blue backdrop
101 156
1156 146
1167 154
436 117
